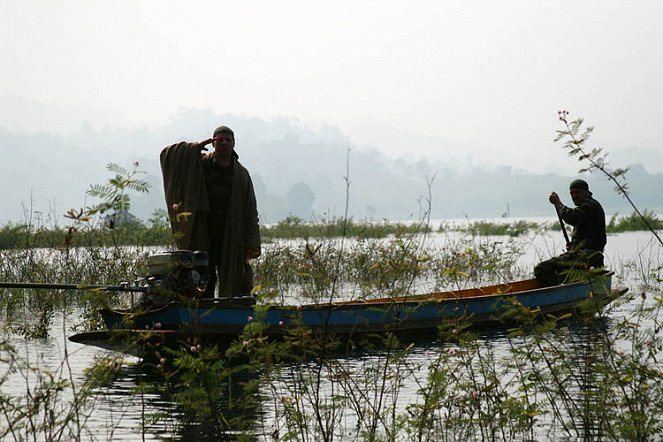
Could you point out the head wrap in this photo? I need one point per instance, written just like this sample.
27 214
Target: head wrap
223 129
579 185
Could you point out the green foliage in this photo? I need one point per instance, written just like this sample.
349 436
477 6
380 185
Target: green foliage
157 231
474 263
634 222
487 228
114 194
12 235
132 233
294 227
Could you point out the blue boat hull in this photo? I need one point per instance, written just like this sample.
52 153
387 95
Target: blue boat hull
227 318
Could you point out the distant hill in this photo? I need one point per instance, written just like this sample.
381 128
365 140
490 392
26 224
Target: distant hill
296 170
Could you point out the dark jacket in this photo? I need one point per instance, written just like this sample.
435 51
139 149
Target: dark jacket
588 221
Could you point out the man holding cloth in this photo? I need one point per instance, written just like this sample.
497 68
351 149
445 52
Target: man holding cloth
212 207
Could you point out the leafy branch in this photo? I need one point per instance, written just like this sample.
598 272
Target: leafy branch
114 194
576 137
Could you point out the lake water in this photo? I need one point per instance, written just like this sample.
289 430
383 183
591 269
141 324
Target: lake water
119 414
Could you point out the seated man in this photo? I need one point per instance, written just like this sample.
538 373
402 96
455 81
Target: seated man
587 242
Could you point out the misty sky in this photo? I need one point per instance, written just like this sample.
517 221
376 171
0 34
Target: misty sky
480 81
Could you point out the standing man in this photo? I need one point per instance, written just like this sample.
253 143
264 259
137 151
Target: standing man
587 242
212 207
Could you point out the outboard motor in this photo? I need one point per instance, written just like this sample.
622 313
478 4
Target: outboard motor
201 268
177 273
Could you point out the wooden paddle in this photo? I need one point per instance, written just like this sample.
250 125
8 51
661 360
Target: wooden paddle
561 224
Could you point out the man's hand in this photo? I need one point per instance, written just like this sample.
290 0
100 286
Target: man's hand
251 252
203 144
554 199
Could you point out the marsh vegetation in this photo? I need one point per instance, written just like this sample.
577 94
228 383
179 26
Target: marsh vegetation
597 379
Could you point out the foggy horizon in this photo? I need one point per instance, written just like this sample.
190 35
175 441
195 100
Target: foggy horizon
297 170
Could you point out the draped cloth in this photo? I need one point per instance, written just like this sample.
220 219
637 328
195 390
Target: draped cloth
184 187
186 195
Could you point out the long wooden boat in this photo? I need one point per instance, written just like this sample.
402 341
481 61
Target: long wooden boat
226 318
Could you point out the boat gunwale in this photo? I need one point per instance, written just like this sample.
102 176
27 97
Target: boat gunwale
433 297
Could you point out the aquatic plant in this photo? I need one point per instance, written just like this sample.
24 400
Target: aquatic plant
634 222
488 228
